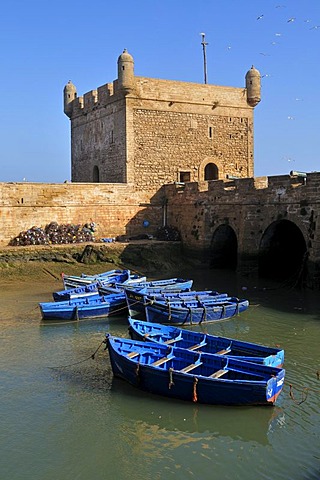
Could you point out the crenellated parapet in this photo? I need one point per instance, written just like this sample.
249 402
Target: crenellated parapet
74 105
259 187
102 96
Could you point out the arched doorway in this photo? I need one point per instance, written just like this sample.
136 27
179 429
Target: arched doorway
211 172
224 248
95 174
283 252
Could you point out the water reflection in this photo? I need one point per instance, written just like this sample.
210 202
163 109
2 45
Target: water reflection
177 421
80 422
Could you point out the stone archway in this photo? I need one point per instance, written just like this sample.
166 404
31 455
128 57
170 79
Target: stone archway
224 248
210 168
283 252
211 172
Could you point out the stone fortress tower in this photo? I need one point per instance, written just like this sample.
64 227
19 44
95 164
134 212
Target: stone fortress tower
148 132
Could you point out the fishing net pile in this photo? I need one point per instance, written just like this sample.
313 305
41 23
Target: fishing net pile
54 233
168 233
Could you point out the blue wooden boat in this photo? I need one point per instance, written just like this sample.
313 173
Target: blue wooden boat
137 298
92 305
74 281
190 309
199 341
116 277
79 308
187 375
157 286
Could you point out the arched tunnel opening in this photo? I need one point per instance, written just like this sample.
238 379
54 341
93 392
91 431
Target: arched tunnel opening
224 248
282 252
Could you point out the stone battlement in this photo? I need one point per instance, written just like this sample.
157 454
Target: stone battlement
259 186
173 92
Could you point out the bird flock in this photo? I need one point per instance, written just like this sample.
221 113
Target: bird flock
284 25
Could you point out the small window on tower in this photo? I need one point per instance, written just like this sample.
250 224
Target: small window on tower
184 177
210 132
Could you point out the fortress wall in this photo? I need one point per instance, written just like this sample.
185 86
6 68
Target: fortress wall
174 141
116 209
249 206
98 139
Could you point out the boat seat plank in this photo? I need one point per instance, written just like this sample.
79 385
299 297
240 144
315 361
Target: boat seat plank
198 345
172 340
132 354
222 352
219 373
160 361
188 368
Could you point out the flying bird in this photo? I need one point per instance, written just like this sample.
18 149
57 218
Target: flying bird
292 19
260 16
315 27
288 159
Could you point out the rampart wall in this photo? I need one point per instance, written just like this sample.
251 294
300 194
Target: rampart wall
116 209
249 206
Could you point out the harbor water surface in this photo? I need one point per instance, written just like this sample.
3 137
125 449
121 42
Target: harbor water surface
64 416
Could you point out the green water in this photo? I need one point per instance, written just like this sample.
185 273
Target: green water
64 416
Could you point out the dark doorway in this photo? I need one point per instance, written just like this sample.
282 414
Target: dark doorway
211 172
95 174
224 248
282 252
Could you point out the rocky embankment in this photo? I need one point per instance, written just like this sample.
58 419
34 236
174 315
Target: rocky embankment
148 257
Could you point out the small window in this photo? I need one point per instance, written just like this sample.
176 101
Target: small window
184 177
210 132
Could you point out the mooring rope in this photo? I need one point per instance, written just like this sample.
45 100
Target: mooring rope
195 396
91 357
171 382
304 395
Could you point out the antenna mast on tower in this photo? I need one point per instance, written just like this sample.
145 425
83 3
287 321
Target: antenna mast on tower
204 44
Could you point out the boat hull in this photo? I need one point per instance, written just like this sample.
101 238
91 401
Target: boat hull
137 300
92 288
205 343
81 309
244 383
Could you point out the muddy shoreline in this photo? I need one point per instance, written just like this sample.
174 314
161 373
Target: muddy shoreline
150 258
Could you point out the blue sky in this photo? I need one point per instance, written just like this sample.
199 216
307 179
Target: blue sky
45 44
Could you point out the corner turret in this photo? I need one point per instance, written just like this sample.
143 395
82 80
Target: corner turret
125 72
253 86
69 94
